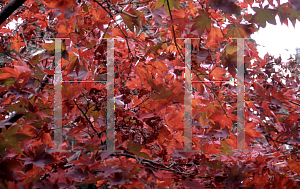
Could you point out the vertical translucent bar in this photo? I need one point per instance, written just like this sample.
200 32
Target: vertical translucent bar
57 97
298 60
187 99
110 118
240 95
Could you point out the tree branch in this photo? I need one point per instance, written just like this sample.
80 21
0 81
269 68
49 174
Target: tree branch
178 49
91 124
212 92
151 163
9 9
112 17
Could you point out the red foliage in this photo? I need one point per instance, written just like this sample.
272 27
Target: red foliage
149 97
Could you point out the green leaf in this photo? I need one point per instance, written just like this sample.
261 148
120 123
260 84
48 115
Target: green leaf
162 94
12 135
15 147
2 151
233 32
4 132
293 15
11 131
36 58
95 115
135 148
19 137
153 48
8 82
159 4
131 21
144 155
14 108
128 21
263 15
240 31
172 4
225 149
230 49
85 8
10 139
202 22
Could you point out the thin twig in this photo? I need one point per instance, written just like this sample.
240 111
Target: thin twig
294 103
179 51
112 17
91 124
24 38
146 46
142 2
141 102
128 14
12 57
104 33
213 93
147 162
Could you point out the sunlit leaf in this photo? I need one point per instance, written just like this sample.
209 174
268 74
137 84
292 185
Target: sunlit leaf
264 15
202 22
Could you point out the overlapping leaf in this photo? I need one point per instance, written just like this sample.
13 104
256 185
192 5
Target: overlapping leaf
264 15
202 22
10 139
227 6
136 148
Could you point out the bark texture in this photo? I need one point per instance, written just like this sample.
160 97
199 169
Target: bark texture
9 9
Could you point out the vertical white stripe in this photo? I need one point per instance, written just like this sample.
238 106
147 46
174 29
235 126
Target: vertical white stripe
110 97
240 95
57 97
187 98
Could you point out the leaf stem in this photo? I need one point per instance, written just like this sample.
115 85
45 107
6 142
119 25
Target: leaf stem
91 124
178 49
112 17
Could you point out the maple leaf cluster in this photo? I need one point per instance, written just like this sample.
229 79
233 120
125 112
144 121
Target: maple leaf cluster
149 91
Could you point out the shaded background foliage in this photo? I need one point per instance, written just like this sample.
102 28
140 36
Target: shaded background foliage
149 91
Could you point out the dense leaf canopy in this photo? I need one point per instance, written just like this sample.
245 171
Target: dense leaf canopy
149 64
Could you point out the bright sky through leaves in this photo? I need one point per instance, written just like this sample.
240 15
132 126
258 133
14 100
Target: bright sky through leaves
277 39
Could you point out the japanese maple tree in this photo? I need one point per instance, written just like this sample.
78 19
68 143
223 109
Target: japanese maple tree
149 88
